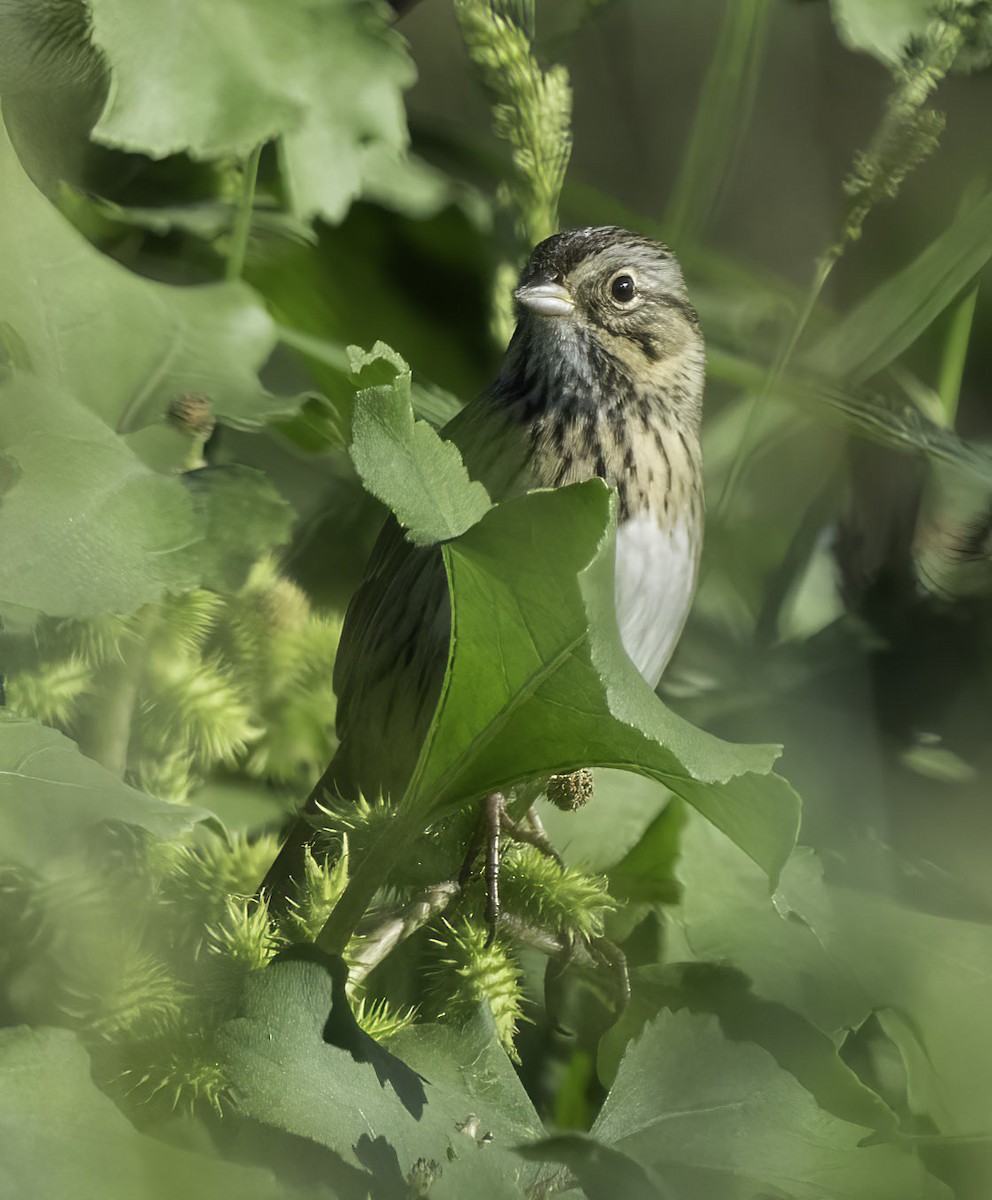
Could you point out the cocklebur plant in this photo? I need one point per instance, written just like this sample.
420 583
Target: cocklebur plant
908 133
197 682
532 110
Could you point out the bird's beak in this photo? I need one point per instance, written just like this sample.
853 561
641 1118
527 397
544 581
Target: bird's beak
548 299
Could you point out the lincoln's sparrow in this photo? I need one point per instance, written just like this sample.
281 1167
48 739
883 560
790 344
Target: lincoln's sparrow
603 376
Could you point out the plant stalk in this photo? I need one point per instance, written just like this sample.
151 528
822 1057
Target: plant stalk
242 218
371 875
824 266
955 354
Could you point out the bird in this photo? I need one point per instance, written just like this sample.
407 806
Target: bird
603 377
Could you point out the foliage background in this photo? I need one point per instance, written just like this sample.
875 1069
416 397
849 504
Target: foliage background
202 211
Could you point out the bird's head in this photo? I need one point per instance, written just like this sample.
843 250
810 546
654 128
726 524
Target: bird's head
601 310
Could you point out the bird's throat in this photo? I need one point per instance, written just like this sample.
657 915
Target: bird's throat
635 424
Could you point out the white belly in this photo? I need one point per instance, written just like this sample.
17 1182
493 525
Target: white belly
655 581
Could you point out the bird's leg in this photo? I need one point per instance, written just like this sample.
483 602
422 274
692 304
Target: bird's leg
531 832
471 853
608 954
494 820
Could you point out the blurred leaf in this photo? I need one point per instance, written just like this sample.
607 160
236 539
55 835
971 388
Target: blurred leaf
86 526
836 954
881 418
52 794
731 1122
938 762
339 1101
207 219
727 917
124 346
930 977
414 187
242 806
876 331
795 1045
722 115
408 466
64 1137
244 517
323 76
881 27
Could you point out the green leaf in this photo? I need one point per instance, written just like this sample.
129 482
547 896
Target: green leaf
539 682
727 916
86 527
410 467
51 794
835 955
713 1117
340 1102
598 835
63 1137
646 873
929 978
325 77
796 1046
602 1172
890 319
123 346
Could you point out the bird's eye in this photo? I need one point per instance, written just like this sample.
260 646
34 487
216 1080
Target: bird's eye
623 289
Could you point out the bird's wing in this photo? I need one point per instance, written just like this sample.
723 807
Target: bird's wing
390 665
394 645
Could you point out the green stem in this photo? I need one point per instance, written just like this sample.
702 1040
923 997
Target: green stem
722 115
782 359
242 219
330 354
106 735
955 353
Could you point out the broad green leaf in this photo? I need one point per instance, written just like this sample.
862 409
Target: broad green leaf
324 76
713 1117
876 331
287 1076
539 682
837 954
411 468
929 977
63 1137
796 1046
123 346
86 527
50 794
727 916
